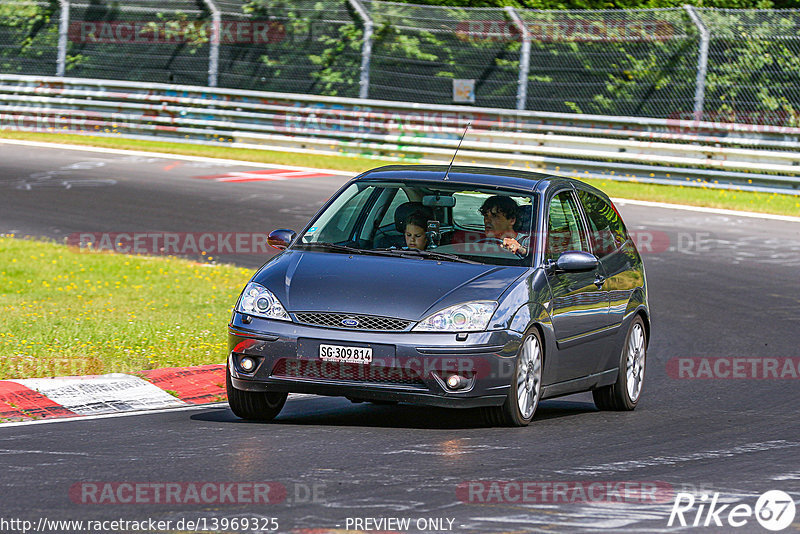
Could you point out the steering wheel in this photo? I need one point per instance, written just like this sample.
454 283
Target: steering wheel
499 242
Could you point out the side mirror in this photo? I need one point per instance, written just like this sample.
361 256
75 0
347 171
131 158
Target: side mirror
574 261
280 239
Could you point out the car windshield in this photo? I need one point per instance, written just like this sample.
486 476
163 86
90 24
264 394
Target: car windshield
443 222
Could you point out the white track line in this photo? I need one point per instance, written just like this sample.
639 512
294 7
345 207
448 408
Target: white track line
664 205
292 396
164 155
110 415
716 211
613 468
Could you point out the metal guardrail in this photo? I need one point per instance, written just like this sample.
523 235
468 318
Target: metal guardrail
685 152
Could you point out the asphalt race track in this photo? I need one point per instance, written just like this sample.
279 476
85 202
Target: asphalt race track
720 286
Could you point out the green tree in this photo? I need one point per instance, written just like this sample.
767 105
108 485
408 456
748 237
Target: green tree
28 36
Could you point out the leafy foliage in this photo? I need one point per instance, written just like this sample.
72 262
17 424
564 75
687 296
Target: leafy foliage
613 4
626 61
27 37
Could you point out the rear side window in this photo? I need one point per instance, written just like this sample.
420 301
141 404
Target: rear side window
608 231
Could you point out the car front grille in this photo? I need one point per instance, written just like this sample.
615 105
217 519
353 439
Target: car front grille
345 372
364 322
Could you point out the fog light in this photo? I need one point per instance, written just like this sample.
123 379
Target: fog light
456 382
247 364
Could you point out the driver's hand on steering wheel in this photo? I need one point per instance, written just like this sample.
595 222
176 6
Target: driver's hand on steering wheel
512 245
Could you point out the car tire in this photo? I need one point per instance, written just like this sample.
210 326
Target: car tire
525 388
625 393
253 405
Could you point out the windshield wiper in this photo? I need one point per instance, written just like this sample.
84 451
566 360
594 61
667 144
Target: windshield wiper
343 248
387 251
331 246
430 254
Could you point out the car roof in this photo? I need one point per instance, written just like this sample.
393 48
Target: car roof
525 181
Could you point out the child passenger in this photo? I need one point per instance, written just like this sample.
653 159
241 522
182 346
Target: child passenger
416 225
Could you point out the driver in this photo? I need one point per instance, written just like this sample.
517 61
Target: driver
499 217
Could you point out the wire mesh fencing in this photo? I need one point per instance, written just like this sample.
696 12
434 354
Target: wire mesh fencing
419 51
687 63
753 66
145 40
295 46
631 62
29 33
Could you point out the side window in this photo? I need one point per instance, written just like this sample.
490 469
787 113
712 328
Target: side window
338 222
608 230
564 229
388 218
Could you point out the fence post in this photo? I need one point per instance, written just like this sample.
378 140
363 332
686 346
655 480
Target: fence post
63 29
213 53
524 60
366 49
702 63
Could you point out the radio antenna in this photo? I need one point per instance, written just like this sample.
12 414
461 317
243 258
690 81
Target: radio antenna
456 152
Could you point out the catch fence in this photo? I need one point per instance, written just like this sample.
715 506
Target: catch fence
719 65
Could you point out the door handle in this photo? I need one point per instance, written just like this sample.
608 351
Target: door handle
599 281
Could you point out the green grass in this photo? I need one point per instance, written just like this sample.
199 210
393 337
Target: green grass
339 163
71 312
695 196
702 196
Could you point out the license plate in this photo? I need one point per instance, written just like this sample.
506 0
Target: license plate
338 353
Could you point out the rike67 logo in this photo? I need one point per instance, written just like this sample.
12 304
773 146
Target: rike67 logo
774 510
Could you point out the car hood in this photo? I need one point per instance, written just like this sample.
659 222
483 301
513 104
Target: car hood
405 288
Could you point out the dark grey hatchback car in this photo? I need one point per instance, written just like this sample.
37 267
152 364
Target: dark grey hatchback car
476 287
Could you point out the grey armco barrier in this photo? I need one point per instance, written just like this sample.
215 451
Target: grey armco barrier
686 152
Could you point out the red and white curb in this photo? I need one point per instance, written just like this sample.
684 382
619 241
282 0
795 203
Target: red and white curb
47 398
265 175
347 174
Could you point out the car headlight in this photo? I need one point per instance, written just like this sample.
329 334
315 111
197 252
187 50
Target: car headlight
467 317
259 301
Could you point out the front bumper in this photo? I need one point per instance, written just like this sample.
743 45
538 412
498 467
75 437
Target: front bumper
406 366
